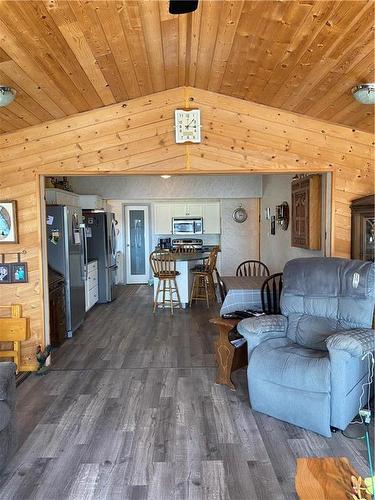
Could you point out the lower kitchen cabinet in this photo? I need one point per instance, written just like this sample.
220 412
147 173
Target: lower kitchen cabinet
57 322
91 285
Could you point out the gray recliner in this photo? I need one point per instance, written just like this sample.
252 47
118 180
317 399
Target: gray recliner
306 365
7 411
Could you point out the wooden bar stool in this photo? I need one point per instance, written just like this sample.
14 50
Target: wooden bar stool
163 266
13 329
203 282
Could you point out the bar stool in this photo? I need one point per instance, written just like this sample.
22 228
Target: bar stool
163 266
203 282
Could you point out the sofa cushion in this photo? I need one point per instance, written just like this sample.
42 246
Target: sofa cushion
5 415
283 362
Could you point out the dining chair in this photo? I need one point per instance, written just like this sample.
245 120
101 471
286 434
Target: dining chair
203 282
221 286
185 248
271 292
163 266
252 268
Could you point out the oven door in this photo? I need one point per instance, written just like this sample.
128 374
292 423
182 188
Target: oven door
181 226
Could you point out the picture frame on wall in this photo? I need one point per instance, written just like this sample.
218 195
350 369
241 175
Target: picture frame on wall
5 274
8 222
18 272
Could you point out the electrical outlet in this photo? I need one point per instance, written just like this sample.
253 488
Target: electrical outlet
366 414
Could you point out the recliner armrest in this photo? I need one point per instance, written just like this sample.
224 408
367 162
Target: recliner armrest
356 342
258 329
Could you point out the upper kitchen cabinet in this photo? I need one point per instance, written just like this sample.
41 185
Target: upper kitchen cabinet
163 218
211 218
164 212
187 210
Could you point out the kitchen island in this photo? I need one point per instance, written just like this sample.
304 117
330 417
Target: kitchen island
185 262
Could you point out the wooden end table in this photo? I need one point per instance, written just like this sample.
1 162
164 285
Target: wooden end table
228 357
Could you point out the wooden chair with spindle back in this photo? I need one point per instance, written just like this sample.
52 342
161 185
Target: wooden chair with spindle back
203 282
271 293
163 266
252 268
221 286
184 248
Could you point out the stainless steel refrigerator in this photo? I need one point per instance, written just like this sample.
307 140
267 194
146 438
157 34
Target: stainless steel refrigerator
66 255
101 245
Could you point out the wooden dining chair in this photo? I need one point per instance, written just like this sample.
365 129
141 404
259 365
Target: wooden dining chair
252 268
203 282
271 292
185 248
221 286
163 266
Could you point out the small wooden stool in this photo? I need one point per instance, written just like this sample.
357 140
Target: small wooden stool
13 329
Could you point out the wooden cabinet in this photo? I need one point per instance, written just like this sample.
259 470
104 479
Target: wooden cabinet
363 229
57 322
307 212
91 285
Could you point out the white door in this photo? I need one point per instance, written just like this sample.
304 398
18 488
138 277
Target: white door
137 244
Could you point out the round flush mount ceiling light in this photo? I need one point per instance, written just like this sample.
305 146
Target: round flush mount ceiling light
7 95
165 176
364 93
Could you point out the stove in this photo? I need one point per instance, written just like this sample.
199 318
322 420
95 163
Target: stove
196 243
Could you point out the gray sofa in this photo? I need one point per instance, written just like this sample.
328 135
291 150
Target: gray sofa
305 365
7 412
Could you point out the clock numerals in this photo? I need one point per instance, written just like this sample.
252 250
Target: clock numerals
187 125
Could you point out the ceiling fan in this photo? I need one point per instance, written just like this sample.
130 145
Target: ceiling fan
182 6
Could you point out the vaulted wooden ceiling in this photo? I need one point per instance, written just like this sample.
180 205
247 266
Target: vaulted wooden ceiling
65 57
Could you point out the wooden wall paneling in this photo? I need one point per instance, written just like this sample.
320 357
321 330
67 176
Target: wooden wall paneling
136 137
296 55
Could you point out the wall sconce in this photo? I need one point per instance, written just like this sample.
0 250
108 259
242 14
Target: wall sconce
282 215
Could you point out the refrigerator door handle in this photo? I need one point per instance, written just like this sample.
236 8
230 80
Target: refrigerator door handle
84 259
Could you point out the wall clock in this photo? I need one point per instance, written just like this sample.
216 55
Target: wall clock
187 125
239 215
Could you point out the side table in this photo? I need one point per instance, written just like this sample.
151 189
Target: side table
228 357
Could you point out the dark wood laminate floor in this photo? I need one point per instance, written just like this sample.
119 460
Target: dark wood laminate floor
130 411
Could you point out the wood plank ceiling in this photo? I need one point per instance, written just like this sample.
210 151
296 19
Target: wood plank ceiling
65 57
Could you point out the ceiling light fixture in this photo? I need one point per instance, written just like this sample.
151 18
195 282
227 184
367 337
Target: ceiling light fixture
165 176
364 93
182 6
7 95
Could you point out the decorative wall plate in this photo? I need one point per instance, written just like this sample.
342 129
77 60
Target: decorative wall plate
239 215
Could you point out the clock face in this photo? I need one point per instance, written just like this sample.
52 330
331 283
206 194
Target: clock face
188 125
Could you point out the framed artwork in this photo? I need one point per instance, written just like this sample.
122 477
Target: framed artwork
5 274
18 272
8 222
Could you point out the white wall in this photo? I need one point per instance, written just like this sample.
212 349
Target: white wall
176 187
239 241
276 250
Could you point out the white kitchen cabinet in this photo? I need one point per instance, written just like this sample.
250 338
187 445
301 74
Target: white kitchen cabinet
187 209
92 202
55 196
163 218
178 209
211 218
91 285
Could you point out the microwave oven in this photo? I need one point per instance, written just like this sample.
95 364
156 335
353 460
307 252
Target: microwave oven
191 225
